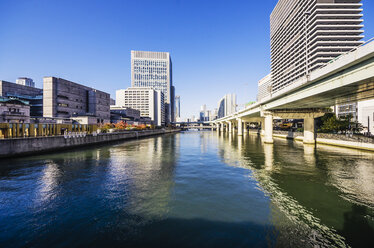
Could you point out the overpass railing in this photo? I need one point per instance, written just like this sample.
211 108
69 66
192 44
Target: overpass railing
346 53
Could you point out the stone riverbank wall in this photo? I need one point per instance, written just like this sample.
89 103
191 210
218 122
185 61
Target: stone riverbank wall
31 146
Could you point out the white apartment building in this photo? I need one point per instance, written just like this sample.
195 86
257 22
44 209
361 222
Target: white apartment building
365 115
264 88
154 69
227 105
148 101
307 34
347 109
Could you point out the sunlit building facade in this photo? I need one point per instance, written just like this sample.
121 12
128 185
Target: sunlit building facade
177 108
307 34
154 70
264 88
148 101
227 105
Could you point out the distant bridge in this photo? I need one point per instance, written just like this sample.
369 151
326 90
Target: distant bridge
205 125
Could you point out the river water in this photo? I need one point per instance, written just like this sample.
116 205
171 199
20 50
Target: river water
192 189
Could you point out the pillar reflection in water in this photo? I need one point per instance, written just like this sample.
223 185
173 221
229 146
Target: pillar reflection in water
269 156
240 146
310 154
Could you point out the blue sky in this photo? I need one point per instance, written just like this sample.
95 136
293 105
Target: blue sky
217 47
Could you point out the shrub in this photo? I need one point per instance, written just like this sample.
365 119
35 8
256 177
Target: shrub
120 125
105 127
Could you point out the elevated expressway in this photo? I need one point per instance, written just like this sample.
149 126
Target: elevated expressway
347 78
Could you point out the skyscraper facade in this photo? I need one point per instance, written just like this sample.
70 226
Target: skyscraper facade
177 108
154 70
307 34
264 88
227 105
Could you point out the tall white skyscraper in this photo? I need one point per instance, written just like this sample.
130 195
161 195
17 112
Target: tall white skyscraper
177 108
306 34
154 70
227 105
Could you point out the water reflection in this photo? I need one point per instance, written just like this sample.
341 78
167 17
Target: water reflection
269 156
310 154
319 190
187 190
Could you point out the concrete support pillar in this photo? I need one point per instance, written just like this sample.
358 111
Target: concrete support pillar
262 132
309 132
245 127
230 127
227 128
240 127
222 127
268 139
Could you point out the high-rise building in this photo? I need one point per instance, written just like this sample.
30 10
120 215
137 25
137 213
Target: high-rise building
202 115
227 105
264 88
148 101
154 70
25 81
66 99
177 108
307 34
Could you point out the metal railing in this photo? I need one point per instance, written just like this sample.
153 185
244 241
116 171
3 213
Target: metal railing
346 53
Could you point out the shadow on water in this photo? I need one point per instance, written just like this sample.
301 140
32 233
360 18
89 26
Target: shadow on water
126 230
191 233
357 229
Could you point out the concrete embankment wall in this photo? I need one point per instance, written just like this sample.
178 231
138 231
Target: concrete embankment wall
362 143
31 146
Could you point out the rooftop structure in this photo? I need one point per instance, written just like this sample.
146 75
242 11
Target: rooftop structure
25 81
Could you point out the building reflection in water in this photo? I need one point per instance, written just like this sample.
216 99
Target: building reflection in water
139 172
61 168
299 179
351 172
144 169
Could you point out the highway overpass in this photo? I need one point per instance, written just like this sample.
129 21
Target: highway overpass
349 77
